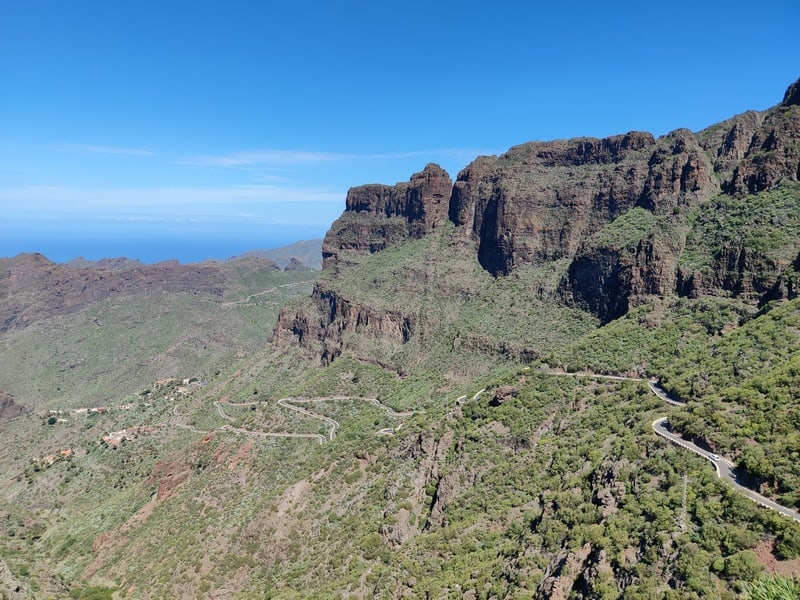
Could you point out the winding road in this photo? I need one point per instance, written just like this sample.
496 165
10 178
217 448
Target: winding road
271 290
241 430
332 423
725 468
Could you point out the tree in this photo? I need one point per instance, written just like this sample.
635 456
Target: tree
743 565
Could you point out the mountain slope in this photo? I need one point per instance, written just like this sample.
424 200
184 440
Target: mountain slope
600 226
88 334
393 441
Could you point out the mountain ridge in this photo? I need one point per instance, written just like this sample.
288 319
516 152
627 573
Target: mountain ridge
542 202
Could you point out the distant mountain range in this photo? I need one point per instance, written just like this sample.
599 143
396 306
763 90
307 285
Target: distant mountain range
307 252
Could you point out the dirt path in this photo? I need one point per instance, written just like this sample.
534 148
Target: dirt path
271 290
290 404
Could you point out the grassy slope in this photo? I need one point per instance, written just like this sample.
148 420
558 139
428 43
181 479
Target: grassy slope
120 344
467 321
566 473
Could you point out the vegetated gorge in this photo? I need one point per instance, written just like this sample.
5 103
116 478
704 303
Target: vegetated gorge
457 406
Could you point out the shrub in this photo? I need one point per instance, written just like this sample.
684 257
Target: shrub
772 587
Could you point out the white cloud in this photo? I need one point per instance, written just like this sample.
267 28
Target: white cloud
265 157
95 149
55 201
286 158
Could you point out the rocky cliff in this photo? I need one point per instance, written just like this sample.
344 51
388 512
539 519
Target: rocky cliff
332 318
544 201
536 202
377 216
625 217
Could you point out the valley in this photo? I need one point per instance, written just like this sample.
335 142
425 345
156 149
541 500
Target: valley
470 400
723 467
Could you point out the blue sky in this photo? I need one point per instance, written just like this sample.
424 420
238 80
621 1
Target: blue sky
201 129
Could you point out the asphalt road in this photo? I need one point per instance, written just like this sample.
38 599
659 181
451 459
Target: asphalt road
725 470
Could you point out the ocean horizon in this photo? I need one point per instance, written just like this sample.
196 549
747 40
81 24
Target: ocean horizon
146 250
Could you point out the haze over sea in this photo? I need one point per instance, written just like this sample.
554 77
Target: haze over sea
187 245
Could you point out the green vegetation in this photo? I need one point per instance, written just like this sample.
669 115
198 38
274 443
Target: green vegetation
634 225
92 593
743 392
765 225
542 485
772 587
652 336
488 496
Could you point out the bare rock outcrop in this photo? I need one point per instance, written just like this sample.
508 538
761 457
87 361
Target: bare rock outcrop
787 285
679 173
608 281
332 319
377 216
739 270
773 155
426 458
8 408
296 264
539 200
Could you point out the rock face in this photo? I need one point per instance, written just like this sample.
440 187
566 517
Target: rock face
541 202
615 211
335 319
609 281
544 201
792 95
536 202
296 265
377 216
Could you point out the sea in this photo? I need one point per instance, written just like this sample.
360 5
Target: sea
149 249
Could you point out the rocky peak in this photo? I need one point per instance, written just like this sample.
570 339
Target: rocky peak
615 211
377 215
678 172
580 151
792 95
295 264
